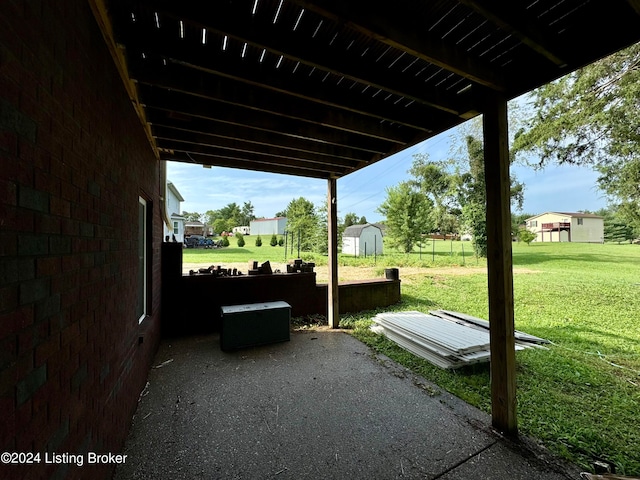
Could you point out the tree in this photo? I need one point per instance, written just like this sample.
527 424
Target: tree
474 197
240 238
258 241
362 220
457 191
303 221
407 214
219 225
526 236
192 216
274 240
246 214
439 184
349 219
591 117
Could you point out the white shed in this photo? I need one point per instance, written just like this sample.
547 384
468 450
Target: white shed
268 226
362 240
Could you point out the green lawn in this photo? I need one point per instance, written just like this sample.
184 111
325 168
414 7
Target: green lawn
582 396
433 253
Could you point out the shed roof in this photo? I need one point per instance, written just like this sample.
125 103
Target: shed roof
356 230
322 88
268 219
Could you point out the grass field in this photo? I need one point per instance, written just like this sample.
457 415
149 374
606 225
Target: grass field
581 397
434 253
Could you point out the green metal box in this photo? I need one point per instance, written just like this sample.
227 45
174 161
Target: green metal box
254 324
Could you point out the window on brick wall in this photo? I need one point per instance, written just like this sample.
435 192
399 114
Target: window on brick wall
143 259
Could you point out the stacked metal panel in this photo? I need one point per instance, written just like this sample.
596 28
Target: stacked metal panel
443 338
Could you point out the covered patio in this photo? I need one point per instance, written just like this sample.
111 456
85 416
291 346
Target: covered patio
324 88
96 95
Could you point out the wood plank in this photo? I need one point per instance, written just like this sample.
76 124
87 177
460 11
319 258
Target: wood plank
243 164
199 84
397 30
242 159
232 21
163 133
190 52
178 104
252 136
500 266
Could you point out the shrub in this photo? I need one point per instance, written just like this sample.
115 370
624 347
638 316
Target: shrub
281 241
258 241
225 241
274 240
240 239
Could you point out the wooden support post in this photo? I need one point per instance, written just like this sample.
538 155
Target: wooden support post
333 314
500 267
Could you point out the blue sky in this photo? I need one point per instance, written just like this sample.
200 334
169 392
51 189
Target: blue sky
564 189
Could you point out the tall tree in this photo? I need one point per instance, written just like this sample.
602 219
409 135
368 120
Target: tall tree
436 181
303 222
408 215
591 117
473 196
349 219
192 216
246 214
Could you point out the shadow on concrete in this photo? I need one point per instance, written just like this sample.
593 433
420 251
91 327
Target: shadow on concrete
321 406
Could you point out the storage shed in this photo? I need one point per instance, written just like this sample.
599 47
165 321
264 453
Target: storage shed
268 226
362 240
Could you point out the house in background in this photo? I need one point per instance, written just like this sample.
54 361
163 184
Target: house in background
196 228
362 240
567 227
173 199
268 226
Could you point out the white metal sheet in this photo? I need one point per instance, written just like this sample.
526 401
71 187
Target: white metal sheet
449 335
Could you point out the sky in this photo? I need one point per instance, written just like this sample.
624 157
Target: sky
556 188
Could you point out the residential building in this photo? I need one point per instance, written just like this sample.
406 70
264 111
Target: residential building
172 203
567 227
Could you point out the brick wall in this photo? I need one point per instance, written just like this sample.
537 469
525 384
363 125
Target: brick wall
73 161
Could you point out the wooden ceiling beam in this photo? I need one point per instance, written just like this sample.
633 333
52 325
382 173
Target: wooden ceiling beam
240 26
243 147
186 80
180 104
252 136
385 24
191 53
213 161
510 17
241 158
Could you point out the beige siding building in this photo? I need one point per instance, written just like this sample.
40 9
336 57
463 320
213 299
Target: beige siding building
567 227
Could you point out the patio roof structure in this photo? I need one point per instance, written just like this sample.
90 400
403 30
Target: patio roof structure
323 88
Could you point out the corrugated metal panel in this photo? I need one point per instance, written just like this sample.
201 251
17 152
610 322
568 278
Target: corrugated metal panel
451 336
443 338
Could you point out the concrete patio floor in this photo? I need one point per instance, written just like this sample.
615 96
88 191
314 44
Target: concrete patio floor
322 406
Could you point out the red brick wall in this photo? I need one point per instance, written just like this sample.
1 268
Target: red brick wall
73 161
